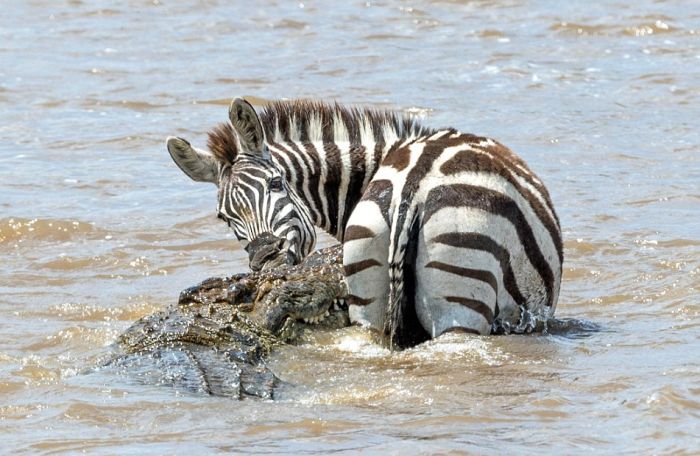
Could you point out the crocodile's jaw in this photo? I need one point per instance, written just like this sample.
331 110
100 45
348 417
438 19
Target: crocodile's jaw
339 305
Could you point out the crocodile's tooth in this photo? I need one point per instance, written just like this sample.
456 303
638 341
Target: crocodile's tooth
306 320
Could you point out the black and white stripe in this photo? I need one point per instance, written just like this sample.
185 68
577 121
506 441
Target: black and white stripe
442 230
254 198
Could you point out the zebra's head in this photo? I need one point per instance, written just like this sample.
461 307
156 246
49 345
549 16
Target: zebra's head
254 198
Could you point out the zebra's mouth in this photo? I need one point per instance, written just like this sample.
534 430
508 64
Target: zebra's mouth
268 251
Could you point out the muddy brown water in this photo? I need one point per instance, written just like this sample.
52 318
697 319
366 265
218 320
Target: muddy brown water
98 227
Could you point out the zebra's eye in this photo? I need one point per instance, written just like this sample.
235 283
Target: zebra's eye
275 184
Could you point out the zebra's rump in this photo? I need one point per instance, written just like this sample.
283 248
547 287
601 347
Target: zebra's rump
473 237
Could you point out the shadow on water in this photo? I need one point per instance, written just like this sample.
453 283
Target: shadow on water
573 328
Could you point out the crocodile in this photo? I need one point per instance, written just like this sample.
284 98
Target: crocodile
216 338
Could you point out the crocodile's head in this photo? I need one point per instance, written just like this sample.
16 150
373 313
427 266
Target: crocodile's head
313 298
312 293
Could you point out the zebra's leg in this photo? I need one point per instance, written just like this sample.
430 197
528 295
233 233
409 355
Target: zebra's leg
365 254
456 288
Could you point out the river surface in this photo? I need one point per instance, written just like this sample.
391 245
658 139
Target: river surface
98 227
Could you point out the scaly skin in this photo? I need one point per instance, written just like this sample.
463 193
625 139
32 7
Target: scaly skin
215 339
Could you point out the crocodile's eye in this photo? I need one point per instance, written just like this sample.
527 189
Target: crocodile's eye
275 184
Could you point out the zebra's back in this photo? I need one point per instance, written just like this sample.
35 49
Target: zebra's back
455 231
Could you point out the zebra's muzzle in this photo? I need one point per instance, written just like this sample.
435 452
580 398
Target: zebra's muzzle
269 251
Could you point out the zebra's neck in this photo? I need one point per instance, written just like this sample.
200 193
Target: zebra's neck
331 153
329 177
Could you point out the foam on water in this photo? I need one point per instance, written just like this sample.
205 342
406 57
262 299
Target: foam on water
450 347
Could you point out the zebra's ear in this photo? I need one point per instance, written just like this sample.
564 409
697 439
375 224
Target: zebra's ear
199 165
246 123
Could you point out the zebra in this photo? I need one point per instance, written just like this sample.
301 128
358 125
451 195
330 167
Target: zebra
442 230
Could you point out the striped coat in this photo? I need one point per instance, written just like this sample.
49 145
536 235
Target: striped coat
441 230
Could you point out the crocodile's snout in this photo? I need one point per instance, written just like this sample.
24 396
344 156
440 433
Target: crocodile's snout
268 251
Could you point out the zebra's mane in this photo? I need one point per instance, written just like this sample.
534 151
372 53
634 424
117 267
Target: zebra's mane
314 121
222 143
